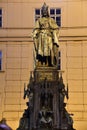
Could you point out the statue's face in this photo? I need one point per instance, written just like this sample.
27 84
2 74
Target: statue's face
44 12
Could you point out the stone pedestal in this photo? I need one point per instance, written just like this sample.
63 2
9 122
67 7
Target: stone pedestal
51 73
46 108
46 95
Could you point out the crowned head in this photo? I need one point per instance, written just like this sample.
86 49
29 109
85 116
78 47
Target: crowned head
44 10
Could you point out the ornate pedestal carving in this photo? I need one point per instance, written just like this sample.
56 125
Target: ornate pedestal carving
46 108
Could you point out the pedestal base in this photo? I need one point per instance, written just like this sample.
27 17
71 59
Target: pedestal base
46 107
52 129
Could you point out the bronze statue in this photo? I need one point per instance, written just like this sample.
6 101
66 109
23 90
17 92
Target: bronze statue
46 91
45 36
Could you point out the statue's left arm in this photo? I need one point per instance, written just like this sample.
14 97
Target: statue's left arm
55 31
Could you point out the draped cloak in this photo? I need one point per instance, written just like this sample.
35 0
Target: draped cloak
45 35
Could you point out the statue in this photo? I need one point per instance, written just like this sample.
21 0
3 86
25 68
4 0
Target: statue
46 90
45 36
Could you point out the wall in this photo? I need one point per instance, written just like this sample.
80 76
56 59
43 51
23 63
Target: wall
17 47
75 75
18 63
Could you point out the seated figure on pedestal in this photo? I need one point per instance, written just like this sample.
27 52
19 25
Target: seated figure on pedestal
45 118
45 36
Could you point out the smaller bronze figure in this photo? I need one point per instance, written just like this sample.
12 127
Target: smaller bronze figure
45 36
45 118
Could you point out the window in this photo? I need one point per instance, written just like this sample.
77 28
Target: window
55 13
0 17
37 14
59 60
0 60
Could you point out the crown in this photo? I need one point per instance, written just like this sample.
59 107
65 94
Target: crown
44 7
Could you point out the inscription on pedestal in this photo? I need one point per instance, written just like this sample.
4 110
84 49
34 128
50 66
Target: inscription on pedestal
44 75
51 74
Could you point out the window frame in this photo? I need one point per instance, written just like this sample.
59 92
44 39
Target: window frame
1 60
59 60
1 17
55 15
37 15
51 15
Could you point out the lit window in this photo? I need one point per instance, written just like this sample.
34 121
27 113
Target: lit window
55 13
0 17
0 60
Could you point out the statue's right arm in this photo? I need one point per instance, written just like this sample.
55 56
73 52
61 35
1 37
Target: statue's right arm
36 34
36 29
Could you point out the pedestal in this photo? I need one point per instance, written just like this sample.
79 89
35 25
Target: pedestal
46 108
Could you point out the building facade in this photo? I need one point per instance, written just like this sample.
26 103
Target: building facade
17 19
